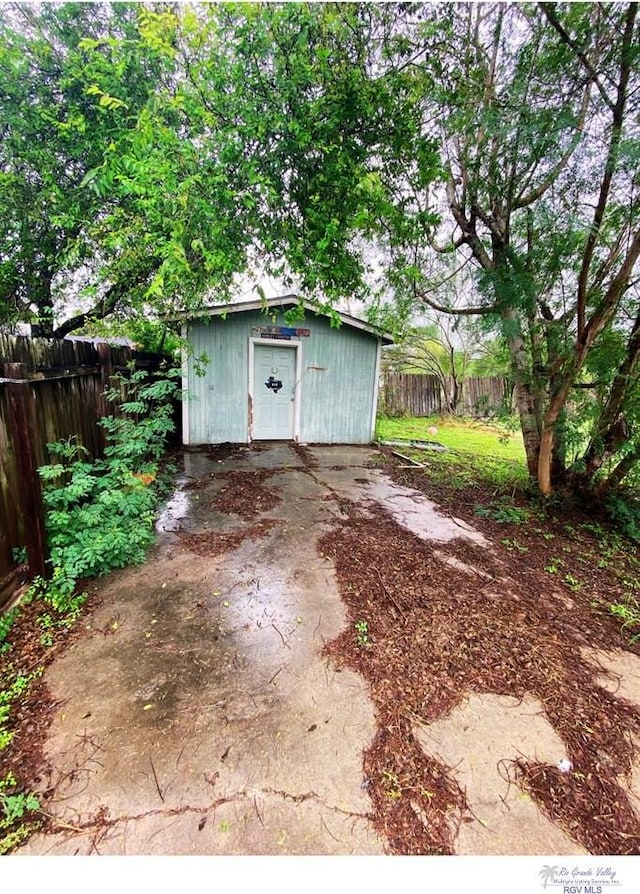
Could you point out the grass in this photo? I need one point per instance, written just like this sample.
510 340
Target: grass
461 435
476 450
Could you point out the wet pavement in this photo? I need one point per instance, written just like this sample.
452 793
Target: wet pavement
199 716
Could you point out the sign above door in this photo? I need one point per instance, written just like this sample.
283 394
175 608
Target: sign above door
285 333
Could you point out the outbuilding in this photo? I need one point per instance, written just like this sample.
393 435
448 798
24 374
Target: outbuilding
250 374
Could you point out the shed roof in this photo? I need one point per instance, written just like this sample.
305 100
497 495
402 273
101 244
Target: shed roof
285 301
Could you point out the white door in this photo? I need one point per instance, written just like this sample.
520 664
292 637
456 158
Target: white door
274 383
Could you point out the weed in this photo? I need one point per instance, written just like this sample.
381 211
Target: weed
19 555
6 623
554 566
625 512
60 594
546 535
503 514
8 695
100 514
514 545
629 612
391 784
573 583
14 806
362 633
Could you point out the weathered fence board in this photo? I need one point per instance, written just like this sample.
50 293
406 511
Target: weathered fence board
409 394
49 390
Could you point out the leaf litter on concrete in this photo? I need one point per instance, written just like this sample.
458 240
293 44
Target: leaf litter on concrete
437 622
433 634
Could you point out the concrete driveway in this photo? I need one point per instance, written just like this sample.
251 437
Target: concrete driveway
197 715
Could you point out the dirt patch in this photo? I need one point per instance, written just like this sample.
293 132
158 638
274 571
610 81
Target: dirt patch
244 493
308 459
218 452
211 543
34 711
434 633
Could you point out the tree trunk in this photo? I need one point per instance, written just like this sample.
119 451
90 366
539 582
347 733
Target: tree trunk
605 433
44 302
621 471
526 395
559 452
529 423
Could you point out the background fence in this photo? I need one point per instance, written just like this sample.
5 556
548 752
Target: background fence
409 394
49 390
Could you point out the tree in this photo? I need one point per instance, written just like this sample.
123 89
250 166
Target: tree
72 81
289 128
315 139
535 111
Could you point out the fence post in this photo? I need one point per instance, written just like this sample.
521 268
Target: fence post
105 408
22 422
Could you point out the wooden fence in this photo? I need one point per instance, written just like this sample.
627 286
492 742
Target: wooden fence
49 390
409 394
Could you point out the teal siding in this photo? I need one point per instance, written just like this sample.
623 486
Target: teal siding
218 401
338 384
337 387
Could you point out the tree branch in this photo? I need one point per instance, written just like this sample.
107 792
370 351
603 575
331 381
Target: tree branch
612 296
467 227
108 302
523 200
610 164
549 11
457 311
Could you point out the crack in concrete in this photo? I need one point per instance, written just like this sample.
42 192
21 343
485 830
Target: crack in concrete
102 822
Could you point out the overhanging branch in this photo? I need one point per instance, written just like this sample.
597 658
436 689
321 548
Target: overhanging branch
457 311
549 11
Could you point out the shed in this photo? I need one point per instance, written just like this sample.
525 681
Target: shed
264 378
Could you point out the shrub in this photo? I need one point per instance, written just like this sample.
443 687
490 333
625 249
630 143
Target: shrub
100 514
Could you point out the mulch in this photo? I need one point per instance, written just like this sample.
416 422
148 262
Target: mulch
244 493
32 715
212 543
437 633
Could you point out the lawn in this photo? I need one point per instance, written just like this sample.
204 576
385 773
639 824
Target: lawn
463 435
476 450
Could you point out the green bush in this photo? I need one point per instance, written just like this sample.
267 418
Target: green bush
100 514
625 512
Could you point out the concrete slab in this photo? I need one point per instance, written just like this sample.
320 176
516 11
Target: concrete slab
620 675
619 672
200 694
478 740
198 715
